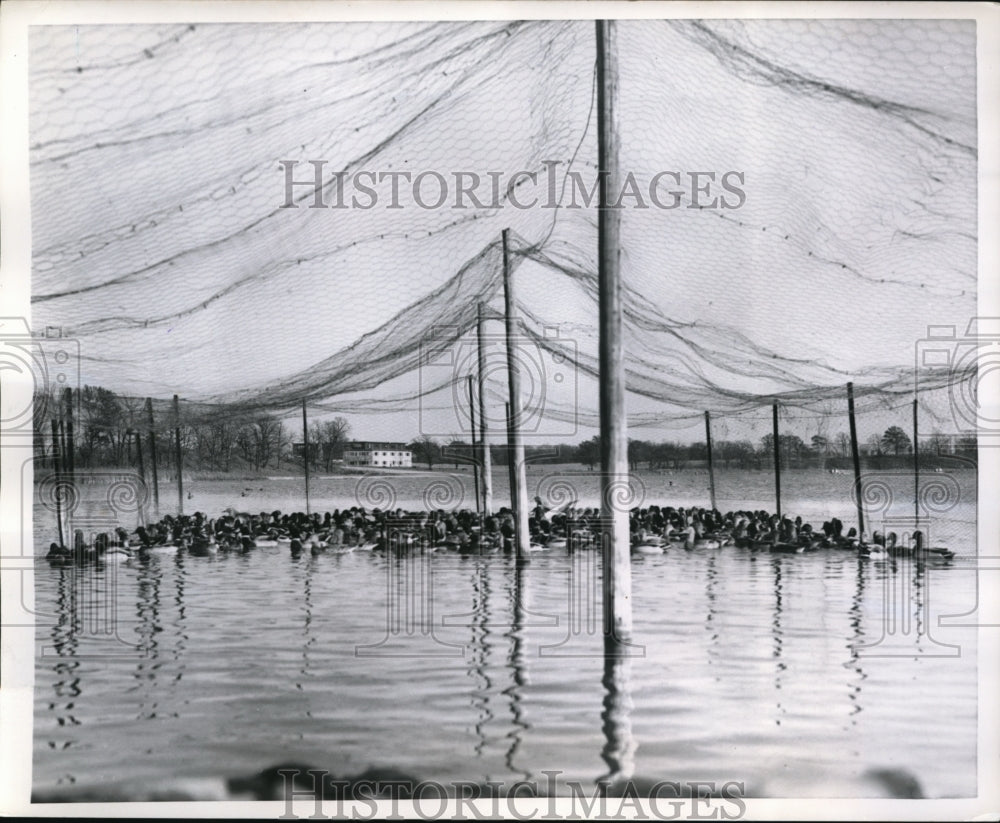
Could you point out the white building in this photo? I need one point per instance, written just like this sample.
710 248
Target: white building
371 453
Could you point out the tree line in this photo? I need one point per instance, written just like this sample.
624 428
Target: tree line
110 429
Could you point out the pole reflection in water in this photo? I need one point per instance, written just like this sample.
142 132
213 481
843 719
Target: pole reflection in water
904 617
180 646
480 652
616 717
918 602
711 579
308 639
778 635
149 663
517 593
856 640
65 643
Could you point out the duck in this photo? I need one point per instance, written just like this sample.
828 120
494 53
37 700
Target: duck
59 554
116 554
940 551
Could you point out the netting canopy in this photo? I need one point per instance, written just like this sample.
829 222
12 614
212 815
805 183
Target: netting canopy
803 207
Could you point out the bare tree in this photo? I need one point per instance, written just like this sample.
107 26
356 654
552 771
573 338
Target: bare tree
327 439
427 449
843 442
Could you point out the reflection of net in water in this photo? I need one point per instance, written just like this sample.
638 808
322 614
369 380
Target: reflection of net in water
157 206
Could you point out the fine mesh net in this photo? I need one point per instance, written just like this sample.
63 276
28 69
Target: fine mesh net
161 243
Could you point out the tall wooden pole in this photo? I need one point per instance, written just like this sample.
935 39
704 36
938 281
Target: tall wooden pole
916 465
617 569
62 448
856 457
64 473
484 444
472 429
57 485
519 492
142 473
305 451
777 459
177 456
711 470
510 451
152 459
68 459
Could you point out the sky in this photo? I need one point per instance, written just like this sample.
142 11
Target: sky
823 171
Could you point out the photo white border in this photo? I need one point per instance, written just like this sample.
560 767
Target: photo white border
17 645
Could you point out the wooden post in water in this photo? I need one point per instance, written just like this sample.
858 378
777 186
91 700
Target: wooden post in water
777 459
305 451
68 460
62 447
856 457
57 486
64 478
916 466
142 476
484 442
617 581
177 456
519 491
510 451
711 470
472 429
152 459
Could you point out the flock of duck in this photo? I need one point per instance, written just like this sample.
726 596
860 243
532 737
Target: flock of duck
653 530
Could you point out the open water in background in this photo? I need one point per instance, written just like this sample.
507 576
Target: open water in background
750 669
